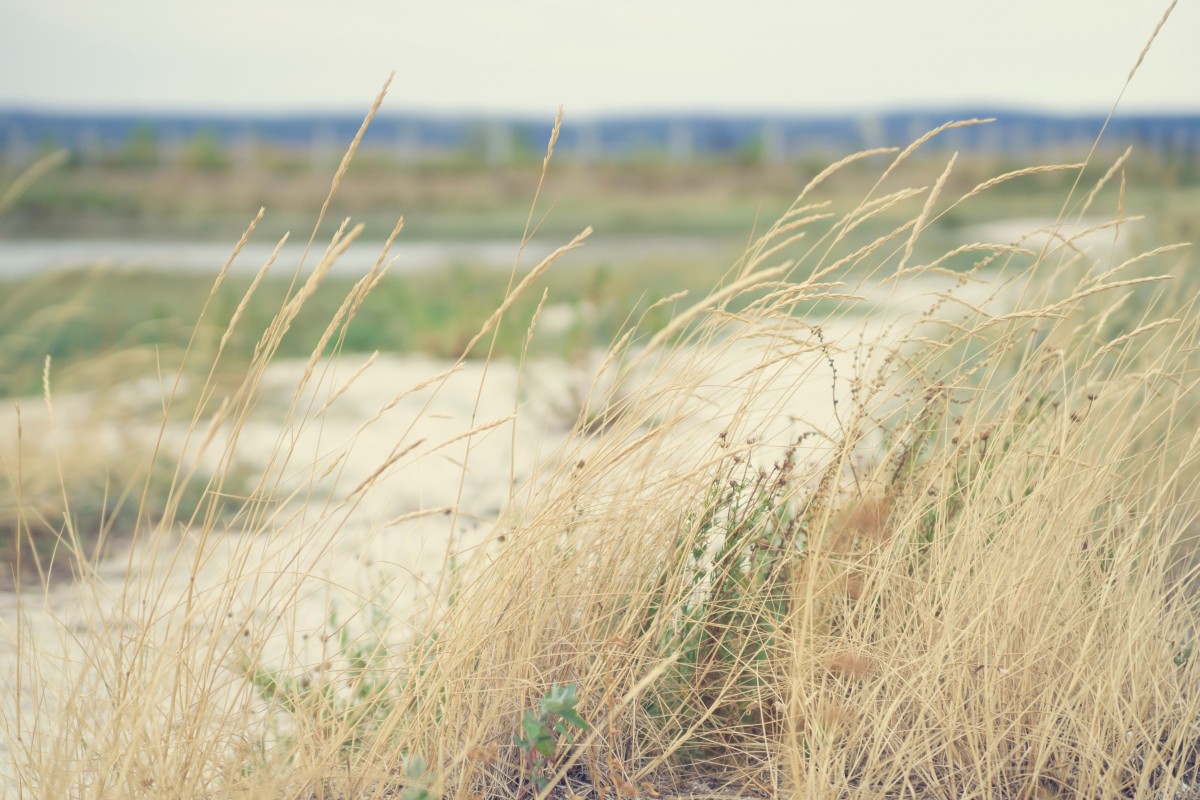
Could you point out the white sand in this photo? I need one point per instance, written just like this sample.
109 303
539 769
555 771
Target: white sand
1092 235
307 561
348 554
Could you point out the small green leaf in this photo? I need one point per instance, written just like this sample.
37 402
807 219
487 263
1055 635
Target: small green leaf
572 717
559 699
414 767
1184 654
546 746
532 726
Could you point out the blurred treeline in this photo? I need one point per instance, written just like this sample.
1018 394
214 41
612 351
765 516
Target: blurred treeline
199 180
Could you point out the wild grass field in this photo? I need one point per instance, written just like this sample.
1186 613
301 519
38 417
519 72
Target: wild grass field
875 513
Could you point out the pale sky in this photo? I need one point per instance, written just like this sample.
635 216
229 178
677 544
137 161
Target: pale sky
530 56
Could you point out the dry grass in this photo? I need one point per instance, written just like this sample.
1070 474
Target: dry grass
926 551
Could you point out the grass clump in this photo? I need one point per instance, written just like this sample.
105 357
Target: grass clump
79 469
546 735
935 540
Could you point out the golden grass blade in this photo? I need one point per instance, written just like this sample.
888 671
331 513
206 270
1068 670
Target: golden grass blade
30 176
925 212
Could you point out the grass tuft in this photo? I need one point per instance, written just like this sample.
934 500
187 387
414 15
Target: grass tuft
850 524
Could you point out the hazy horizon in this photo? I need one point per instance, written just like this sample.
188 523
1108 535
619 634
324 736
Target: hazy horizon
522 115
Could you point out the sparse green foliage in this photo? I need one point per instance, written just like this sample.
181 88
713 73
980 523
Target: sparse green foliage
343 700
547 735
740 548
416 780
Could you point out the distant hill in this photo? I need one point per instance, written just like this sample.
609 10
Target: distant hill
682 136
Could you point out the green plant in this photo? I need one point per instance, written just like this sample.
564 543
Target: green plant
547 735
346 704
1183 654
418 784
738 550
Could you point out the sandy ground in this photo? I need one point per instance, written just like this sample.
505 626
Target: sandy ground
390 543
334 548
1093 235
